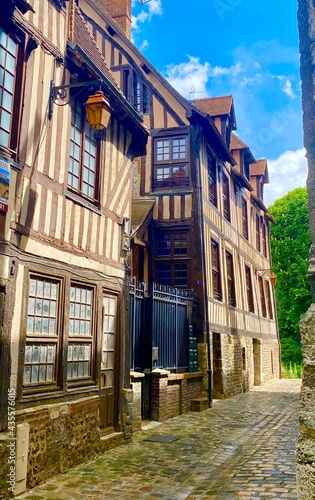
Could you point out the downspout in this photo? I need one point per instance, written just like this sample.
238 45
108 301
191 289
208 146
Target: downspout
204 273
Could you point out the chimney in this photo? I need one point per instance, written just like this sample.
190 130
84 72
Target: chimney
120 10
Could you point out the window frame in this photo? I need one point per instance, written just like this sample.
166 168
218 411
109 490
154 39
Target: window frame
15 116
257 232
216 271
231 293
262 296
269 301
171 257
85 140
212 180
135 90
39 340
226 197
249 289
173 165
61 385
245 232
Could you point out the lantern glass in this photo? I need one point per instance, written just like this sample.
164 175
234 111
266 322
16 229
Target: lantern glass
98 111
273 279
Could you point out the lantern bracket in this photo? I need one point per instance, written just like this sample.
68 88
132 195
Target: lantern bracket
62 92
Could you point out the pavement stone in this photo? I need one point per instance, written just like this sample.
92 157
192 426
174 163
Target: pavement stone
243 447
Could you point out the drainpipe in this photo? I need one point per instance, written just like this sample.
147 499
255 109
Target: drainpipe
204 274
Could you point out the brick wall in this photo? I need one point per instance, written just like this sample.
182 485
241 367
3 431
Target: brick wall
171 394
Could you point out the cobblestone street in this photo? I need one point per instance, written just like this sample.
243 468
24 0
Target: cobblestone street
243 447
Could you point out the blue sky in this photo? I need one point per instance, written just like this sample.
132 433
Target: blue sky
246 48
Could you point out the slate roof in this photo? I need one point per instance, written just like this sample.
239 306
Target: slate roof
215 106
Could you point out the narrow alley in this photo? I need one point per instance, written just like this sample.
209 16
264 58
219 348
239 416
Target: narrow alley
244 447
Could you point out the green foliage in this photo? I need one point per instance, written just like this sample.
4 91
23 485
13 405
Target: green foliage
290 244
291 371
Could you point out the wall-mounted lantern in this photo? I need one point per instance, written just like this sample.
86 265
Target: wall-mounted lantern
97 106
272 275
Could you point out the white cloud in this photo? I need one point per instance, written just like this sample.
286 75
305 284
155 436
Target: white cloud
144 45
232 70
154 7
286 87
286 173
188 75
193 75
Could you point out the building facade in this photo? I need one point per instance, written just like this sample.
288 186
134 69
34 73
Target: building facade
66 197
201 223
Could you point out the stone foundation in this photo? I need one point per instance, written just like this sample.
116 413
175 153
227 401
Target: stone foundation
240 362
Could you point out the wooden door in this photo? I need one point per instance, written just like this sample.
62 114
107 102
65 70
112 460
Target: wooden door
108 378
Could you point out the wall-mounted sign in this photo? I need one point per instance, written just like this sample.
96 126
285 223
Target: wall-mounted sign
4 185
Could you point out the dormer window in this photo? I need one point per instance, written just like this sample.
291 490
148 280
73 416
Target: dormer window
135 91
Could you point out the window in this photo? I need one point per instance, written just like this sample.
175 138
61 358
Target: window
216 271
42 334
80 332
226 198
269 302
10 71
262 296
264 238
258 232
135 91
83 163
230 280
260 188
212 181
45 360
249 290
172 258
171 163
108 341
244 219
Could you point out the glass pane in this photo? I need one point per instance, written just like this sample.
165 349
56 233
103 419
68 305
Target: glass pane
27 374
80 369
34 373
86 368
30 325
46 308
50 354
35 354
43 353
49 375
28 354
45 325
42 373
52 326
31 306
109 379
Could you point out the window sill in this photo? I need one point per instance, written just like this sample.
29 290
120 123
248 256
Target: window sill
167 192
76 198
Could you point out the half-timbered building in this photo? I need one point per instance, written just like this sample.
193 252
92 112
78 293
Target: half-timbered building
64 271
200 222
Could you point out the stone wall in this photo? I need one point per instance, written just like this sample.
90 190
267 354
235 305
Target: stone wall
4 466
305 452
234 368
61 436
170 394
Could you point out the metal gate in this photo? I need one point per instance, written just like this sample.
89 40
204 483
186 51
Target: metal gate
159 326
